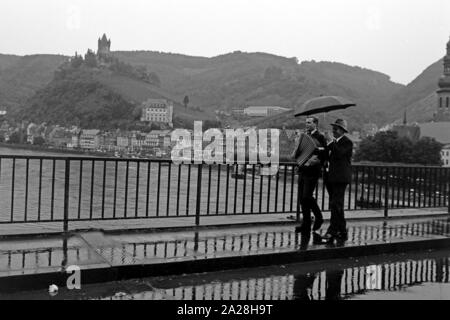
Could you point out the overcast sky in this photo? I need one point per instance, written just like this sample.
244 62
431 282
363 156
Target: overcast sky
398 37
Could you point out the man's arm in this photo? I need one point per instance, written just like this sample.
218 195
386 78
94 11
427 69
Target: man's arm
342 151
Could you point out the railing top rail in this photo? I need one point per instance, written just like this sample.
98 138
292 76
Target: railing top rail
167 160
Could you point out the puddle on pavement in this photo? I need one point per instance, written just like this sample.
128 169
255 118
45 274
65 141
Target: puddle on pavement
422 275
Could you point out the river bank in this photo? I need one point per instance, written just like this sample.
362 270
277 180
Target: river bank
17 148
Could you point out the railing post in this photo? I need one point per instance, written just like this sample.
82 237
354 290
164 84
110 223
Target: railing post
199 195
298 194
386 194
448 189
66 195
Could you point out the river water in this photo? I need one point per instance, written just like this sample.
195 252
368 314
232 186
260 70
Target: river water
121 189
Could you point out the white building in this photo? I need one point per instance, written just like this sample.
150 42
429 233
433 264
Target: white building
264 111
90 139
445 154
157 110
158 138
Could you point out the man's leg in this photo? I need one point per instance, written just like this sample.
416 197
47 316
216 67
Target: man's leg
332 229
305 204
314 207
340 202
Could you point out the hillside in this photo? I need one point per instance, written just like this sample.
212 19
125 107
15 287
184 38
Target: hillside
238 79
225 82
21 77
96 97
419 96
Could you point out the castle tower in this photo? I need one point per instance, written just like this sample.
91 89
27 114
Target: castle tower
443 103
104 46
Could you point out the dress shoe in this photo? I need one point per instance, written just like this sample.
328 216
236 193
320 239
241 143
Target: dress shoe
329 236
317 224
343 235
304 228
317 238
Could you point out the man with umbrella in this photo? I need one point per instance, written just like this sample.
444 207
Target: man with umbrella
310 173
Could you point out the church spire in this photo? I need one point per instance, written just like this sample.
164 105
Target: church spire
443 100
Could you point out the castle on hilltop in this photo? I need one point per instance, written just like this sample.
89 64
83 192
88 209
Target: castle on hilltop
104 46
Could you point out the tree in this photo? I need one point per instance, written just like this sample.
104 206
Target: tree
137 113
427 151
90 59
77 61
39 141
186 101
389 147
15 138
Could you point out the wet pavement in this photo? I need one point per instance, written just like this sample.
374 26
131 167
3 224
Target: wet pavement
160 250
421 275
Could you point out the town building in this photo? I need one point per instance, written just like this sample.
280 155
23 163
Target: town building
264 111
108 141
90 139
370 129
437 130
405 130
158 138
445 154
59 137
157 110
137 140
123 141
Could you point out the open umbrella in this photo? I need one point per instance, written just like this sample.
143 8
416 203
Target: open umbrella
323 104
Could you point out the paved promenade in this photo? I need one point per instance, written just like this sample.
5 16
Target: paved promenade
205 221
111 255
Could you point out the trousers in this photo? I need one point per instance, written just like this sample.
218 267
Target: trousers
308 184
336 192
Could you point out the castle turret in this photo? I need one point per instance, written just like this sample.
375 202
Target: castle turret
104 46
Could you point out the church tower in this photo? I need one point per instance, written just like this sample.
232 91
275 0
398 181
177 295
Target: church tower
443 93
104 46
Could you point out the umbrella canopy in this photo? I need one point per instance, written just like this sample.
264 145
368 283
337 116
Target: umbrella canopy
323 104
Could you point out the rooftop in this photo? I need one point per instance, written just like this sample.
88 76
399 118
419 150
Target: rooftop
264 108
151 103
438 130
91 132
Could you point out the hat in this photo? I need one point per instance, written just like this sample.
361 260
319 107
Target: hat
341 123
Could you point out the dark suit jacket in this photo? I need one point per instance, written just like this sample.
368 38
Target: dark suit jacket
320 138
339 158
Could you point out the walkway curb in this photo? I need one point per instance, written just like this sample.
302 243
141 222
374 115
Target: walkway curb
38 281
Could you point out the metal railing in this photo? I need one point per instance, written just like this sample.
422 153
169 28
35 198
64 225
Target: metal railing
65 189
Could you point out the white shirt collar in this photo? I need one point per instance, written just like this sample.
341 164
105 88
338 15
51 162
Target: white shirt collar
337 140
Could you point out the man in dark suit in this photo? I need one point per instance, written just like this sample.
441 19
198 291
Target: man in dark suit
309 176
337 177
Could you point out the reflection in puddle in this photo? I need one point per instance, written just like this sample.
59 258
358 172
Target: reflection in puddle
400 279
418 276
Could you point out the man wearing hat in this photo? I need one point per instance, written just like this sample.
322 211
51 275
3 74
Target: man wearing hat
337 177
